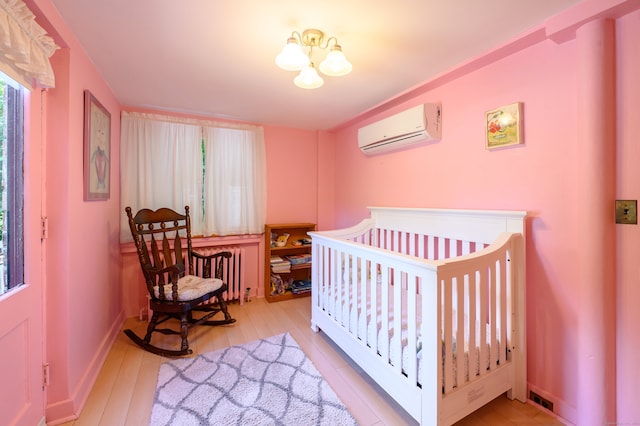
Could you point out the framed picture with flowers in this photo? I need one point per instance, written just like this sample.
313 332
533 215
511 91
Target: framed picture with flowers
504 126
97 149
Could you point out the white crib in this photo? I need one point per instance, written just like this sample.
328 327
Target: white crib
453 282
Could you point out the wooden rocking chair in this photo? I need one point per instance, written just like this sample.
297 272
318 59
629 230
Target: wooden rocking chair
179 280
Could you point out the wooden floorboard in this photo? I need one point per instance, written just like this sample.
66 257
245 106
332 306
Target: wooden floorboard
124 390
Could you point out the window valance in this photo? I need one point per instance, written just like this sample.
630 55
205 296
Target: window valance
25 47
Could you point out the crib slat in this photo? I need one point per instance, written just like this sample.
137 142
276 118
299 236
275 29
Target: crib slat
351 298
336 288
402 237
361 319
331 274
510 311
431 251
448 336
383 337
372 339
412 244
323 280
396 341
317 299
460 347
503 313
395 241
473 322
485 281
412 294
340 288
493 320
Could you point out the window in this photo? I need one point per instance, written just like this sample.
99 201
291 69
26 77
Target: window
217 169
11 185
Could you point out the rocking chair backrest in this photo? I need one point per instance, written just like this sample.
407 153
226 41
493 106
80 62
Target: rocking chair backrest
162 239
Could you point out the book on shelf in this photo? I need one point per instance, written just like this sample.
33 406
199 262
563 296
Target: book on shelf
298 259
281 268
278 264
301 286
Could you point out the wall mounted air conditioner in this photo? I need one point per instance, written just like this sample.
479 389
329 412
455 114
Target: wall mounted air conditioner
418 124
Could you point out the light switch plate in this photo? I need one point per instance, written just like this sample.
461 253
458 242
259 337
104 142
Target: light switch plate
627 211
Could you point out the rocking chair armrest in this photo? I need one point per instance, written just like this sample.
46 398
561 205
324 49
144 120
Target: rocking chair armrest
226 254
210 261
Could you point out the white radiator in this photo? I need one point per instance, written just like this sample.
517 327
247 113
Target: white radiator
233 270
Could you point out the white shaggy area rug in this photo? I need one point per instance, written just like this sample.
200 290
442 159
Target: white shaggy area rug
265 382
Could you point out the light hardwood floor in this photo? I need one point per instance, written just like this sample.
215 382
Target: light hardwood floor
124 390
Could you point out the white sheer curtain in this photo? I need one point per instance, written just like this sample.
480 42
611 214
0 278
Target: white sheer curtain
160 166
25 47
236 194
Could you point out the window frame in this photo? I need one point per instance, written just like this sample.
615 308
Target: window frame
13 215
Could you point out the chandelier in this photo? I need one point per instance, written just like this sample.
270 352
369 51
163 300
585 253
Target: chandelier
293 58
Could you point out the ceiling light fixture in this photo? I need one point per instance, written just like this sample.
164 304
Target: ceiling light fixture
294 58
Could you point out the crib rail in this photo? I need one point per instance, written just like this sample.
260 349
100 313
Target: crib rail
423 314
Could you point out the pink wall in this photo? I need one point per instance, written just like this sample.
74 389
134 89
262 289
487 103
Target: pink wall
545 177
83 309
326 180
628 236
291 175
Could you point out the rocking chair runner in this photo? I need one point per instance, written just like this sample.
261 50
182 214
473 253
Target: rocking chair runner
178 279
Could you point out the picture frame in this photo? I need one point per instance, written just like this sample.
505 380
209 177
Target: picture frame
504 126
97 149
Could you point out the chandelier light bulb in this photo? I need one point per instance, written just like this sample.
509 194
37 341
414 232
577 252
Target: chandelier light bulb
335 64
292 57
308 78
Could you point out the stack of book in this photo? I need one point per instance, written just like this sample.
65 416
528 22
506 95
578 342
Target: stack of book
299 259
280 265
300 286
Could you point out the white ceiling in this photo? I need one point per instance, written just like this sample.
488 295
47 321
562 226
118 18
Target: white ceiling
216 58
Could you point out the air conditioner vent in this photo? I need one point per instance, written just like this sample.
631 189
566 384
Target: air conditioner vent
418 124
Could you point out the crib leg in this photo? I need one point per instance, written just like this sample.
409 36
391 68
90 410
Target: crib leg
314 327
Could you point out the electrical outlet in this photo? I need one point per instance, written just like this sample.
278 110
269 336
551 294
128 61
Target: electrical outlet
541 401
627 211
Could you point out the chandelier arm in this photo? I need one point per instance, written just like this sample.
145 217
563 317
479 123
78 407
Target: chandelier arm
326 43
